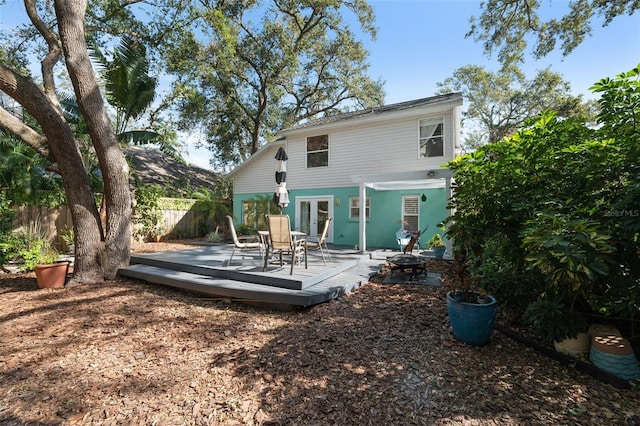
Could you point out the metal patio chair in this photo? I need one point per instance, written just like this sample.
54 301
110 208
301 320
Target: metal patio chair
282 242
244 242
320 242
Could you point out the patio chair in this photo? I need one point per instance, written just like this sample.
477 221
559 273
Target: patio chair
320 243
403 237
244 242
281 241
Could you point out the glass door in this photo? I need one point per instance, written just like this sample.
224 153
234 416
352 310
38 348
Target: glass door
312 213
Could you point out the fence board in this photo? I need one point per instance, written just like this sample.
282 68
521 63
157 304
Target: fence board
51 221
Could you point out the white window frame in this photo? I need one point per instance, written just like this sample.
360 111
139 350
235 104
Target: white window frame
354 204
415 200
439 120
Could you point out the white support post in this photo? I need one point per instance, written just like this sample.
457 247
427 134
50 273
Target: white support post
363 218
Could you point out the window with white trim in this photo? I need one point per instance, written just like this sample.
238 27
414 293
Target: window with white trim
354 207
318 151
249 213
432 137
254 211
410 212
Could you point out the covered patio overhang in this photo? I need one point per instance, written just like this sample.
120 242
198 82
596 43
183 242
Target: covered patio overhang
421 179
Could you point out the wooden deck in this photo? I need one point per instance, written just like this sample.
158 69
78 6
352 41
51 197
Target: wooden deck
204 270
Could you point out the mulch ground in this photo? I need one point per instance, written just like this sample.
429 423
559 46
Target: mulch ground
128 352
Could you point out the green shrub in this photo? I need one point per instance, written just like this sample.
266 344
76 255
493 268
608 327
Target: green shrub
214 237
245 230
147 213
550 216
29 249
7 215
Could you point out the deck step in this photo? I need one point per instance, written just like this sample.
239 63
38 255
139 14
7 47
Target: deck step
321 292
275 276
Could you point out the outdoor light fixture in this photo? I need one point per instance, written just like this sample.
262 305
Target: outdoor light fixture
424 198
431 173
337 201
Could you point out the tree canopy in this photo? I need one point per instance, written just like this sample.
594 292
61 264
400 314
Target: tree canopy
258 67
498 103
509 26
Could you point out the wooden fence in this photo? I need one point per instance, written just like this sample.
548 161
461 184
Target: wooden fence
51 221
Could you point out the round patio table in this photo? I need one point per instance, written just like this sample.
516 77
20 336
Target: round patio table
403 262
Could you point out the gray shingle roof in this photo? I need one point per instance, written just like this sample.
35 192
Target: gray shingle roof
153 167
375 111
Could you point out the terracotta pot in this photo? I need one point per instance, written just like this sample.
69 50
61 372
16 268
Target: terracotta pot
52 275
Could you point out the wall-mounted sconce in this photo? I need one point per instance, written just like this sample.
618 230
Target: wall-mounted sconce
424 198
337 201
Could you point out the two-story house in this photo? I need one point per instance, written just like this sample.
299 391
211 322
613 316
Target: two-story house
373 171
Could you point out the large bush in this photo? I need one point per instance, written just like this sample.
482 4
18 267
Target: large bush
551 215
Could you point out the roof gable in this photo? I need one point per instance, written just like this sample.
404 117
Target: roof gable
375 113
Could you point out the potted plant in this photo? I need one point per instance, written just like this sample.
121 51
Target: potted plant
42 258
471 310
52 274
436 243
45 260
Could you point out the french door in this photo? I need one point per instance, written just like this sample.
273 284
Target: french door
312 213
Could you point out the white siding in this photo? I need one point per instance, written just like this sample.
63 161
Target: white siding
387 147
261 176
382 145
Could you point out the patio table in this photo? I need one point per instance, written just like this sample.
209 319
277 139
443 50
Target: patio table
264 238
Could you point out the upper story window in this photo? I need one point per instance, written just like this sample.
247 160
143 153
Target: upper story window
431 137
318 151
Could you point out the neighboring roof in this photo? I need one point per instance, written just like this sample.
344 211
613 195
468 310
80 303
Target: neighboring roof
377 111
154 167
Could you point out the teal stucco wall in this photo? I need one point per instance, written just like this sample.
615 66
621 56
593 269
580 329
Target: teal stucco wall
385 213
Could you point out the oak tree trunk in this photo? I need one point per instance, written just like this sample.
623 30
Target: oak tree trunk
60 147
115 171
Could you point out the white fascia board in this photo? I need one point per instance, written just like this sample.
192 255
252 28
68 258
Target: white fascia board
417 175
282 142
443 107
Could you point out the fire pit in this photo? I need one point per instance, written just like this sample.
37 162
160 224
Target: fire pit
408 262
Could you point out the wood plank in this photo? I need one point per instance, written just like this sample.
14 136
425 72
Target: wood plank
208 261
247 292
322 291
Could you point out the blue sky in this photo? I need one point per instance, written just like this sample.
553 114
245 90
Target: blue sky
421 42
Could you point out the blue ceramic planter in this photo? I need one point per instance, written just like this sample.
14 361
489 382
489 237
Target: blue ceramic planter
471 322
438 252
